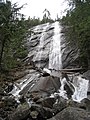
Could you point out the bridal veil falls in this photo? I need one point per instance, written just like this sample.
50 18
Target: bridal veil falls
46 47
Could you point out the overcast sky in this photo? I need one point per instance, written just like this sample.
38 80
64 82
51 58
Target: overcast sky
36 7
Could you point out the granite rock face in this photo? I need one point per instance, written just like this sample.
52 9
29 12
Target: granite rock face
40 42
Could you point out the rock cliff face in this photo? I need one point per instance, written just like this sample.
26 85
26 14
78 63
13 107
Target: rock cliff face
42 43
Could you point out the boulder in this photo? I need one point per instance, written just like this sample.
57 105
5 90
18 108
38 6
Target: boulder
21 113
34 114
46 102
86 103
71 113
47 84
87 75
60 104
37 111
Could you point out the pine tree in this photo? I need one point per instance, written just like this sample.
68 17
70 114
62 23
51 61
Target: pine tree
12 35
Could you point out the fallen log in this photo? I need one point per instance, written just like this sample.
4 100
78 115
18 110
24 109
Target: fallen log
72 70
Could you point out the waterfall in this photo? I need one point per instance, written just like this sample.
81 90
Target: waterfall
81 87
54 66
41 44
55 61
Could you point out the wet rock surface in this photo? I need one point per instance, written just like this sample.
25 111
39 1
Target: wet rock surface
71 113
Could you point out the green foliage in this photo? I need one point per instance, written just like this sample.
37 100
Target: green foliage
13 32
79 21
33 22
36 21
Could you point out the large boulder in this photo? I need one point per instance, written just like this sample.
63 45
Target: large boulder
43 88
21 113
71 113
60 104
47 84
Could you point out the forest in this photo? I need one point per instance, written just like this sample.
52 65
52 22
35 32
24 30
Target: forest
78 20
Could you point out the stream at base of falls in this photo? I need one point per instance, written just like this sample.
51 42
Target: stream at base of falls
79 86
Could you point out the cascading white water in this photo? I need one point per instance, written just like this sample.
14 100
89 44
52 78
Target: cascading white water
62 92
20 85
41 44
55 61
81 87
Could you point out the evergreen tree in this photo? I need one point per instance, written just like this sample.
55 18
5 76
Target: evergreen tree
12 35
46 16
78 18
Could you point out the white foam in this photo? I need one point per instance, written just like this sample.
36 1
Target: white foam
41 45
55 61
47 70
81 88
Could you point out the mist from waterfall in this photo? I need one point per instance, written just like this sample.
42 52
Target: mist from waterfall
55 61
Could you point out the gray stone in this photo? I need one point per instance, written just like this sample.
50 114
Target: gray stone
47 84
46 102
20 113
86 103
71 113
87 75
1 118
2 91
34 114
44 112
60 104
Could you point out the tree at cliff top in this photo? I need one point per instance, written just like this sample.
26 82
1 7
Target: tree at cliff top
36 21
78 18
12 35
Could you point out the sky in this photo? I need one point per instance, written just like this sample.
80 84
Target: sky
36 7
